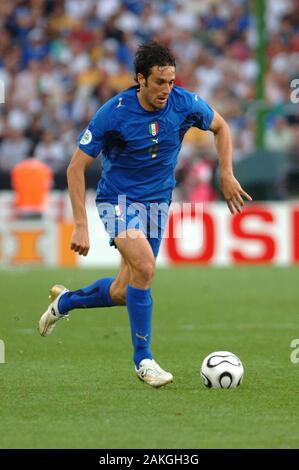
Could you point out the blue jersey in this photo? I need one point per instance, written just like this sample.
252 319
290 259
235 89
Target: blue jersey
140 148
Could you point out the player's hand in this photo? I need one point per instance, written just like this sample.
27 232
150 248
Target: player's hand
233 192
80 241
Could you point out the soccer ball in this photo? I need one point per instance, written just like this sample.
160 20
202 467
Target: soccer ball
221 369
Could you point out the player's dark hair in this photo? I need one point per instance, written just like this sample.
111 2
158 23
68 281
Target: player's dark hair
150 54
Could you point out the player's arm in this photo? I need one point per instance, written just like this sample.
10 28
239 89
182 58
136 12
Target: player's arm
230 187
76 185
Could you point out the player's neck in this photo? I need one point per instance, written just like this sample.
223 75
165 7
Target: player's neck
144 103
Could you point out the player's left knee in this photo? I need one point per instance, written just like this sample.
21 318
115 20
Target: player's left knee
122 298
118 295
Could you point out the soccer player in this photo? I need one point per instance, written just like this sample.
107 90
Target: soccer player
139 133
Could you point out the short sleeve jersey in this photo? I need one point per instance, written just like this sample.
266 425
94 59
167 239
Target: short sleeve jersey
140 148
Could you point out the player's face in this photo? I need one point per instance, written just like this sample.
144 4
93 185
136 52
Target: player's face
154 91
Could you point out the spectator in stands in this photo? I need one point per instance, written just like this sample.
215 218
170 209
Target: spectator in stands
61 59
199 182
31 180
279 138
51 152
13 149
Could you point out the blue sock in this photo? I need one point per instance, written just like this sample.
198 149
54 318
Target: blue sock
140 306
94 295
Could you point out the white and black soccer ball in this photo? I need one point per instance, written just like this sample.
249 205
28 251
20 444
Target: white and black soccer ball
221 369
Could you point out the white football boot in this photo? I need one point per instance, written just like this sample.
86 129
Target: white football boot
51 316
151 373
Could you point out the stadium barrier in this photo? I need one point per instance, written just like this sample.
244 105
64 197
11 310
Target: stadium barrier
264 233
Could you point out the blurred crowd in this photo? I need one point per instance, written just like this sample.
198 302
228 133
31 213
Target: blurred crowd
61 59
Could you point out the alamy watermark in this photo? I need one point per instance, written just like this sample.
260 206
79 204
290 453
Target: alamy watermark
294 96
2 352
294 356
2 91
151 218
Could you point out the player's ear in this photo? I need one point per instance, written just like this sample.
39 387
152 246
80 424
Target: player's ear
141 79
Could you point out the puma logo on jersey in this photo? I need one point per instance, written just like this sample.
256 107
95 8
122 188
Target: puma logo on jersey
156 140
119 102
141 337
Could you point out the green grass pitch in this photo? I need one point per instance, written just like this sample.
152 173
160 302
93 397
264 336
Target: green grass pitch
78 389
